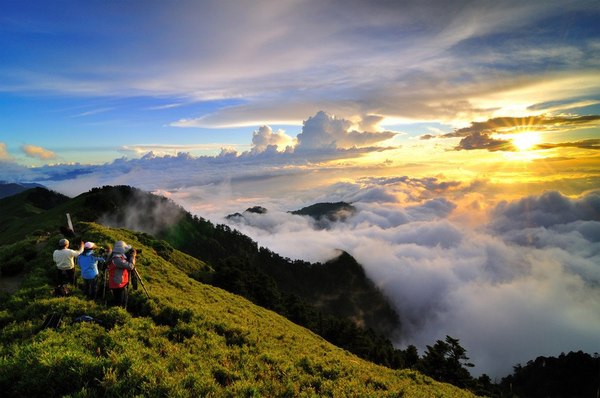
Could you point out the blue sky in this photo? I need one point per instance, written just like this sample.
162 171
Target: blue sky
457 128
87 81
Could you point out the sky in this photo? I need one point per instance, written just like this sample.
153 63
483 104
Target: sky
465 132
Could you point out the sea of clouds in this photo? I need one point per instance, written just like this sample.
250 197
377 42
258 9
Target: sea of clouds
512 280
523 284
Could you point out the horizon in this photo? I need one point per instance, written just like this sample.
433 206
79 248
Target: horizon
467 134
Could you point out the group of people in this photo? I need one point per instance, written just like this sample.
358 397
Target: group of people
118 262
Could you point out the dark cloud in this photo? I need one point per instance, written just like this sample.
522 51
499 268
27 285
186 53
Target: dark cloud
479 134
584 144
547 210
509 125
427 136
478 140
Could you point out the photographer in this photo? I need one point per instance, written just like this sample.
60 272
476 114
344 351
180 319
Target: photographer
88 263
121 263
64 259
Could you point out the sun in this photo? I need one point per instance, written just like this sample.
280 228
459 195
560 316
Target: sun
526 140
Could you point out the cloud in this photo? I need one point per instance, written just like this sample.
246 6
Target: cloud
328 131
584 144
510 125
38 152
93 112
479 135
478 140
143 214
264 138
547 210
497 287
156 150
4 155
404 61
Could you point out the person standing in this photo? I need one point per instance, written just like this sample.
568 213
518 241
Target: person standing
65 264
119 267
88 263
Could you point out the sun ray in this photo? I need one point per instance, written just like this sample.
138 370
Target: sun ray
526 140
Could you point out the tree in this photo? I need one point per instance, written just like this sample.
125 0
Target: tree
447 361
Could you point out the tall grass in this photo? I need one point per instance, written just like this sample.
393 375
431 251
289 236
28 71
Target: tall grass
188 339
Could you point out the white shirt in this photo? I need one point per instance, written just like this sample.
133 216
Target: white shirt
64 258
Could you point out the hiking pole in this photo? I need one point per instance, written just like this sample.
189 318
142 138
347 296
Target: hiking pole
141 281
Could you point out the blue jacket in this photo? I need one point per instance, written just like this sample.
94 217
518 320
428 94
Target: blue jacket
89 264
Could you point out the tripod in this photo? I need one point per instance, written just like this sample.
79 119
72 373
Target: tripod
137 274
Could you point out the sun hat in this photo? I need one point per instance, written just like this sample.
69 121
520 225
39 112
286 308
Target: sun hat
121 247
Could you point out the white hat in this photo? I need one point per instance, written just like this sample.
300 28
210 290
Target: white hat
121 247
89 245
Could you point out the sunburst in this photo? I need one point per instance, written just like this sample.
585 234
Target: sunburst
526 140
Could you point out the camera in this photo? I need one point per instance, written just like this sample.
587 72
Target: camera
129 253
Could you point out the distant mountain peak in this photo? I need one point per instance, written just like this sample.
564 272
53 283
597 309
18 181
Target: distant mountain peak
12 188
328 211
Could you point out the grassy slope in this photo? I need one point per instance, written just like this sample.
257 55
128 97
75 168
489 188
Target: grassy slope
325 287
40 207
191 339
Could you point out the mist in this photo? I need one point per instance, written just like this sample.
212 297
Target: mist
523 284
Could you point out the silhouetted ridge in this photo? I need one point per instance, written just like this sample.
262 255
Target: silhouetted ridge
12 188
45 199
322 297
338 211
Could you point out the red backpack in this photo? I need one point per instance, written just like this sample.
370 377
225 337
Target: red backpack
117 277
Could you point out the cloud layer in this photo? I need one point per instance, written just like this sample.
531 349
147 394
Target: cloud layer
525 284
275 64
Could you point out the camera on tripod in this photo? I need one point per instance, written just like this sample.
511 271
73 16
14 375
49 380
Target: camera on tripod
130 252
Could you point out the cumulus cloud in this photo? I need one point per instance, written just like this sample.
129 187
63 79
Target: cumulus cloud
264 137
38 152
323 136
328 131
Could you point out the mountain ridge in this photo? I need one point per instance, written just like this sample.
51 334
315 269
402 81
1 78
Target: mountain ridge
334 299
188 339
12 188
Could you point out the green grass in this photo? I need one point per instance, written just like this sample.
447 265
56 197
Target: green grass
189 339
